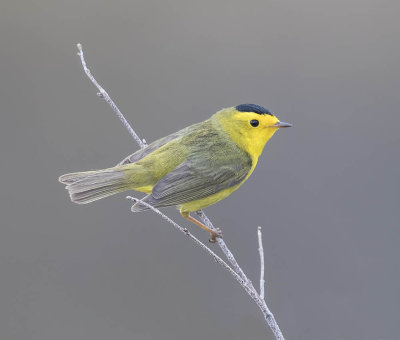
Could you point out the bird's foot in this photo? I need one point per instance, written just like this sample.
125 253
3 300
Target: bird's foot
214 234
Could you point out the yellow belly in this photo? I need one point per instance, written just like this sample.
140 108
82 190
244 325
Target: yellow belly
205 202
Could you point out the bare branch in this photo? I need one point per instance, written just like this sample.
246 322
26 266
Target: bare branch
269 317
223 247
247 286
104 95
236 272
261 251
197 241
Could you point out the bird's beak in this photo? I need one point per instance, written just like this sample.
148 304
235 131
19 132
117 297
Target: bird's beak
282 125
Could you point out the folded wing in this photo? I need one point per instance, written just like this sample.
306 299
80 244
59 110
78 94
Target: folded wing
193 180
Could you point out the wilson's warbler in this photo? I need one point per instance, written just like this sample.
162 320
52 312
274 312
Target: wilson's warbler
191 169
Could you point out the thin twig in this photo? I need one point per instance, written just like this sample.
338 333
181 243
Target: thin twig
201 244
261 251
226 250
223 246
236 272
269 317
103 94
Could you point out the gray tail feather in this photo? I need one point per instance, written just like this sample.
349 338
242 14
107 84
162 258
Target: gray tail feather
86 187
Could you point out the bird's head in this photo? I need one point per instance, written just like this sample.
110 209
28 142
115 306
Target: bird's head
250 126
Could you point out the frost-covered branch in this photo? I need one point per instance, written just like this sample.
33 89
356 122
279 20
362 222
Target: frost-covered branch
235 270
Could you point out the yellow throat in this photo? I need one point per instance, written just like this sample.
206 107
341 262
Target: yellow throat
251 139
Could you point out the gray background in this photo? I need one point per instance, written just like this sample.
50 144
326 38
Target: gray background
326 191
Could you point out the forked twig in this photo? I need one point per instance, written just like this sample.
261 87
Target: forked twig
198 242
236 272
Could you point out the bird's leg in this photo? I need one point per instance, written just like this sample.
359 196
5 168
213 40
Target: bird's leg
213 233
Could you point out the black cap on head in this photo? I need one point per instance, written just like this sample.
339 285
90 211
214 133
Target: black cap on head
253 108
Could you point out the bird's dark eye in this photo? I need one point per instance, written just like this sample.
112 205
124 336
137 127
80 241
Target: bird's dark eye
254 122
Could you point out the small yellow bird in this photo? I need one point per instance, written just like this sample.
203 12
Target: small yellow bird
191 169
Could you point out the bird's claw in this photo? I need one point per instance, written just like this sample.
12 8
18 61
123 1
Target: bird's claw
217 233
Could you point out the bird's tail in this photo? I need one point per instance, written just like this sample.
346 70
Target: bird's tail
89 186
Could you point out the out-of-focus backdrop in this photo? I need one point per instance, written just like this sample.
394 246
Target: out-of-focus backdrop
326 191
